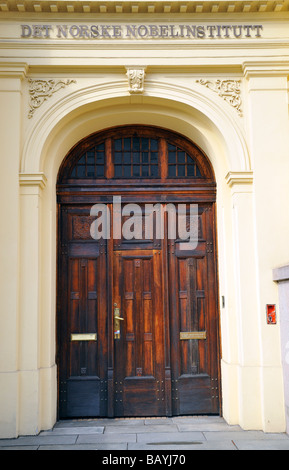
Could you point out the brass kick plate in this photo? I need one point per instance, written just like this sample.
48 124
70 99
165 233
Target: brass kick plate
193 335
83 337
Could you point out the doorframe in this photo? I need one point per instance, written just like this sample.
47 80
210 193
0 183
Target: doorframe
62 200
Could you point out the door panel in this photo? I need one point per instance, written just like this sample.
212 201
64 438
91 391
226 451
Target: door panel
194 323
139 351
83 370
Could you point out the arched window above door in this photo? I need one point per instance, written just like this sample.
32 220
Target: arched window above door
91 164
136 157
134 153
181 164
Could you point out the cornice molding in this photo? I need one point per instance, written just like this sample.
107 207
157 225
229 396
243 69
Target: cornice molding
13 70
265 68
281 273
143 6
32 179
239 177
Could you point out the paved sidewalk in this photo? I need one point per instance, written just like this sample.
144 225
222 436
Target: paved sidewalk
179 433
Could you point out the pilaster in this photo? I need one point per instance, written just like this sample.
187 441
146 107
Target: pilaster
268 128
244 376
11 76
31 186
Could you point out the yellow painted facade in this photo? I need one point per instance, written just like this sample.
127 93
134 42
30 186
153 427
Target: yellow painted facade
216 72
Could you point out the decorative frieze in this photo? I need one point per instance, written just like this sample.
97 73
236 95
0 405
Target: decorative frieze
136 76
41 90
229 90
144 6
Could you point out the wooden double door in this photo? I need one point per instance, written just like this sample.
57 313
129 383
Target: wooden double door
137 317
138 322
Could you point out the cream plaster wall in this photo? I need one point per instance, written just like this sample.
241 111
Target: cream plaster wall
249 154
10 99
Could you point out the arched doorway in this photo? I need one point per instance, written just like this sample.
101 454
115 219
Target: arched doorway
137 310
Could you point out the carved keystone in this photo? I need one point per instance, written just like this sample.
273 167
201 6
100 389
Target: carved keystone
136 76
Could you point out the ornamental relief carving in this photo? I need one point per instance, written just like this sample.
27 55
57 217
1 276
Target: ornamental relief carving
136 78
41 90
229 90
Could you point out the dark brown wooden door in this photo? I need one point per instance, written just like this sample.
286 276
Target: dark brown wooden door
82 332
139 343
137 319
194 322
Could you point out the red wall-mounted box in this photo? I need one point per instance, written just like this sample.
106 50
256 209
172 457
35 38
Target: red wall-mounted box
271 314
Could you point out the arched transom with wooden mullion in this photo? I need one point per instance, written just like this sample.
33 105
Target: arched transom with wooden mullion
136 153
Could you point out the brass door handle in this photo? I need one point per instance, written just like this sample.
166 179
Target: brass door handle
117 320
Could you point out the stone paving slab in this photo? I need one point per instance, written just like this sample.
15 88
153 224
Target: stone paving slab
198 445
100 422
197 419
123 422
38 440
145 434
170 438
98 446
73 430
115 438
153 421
143 429
208 427
20 448
265 444
237 435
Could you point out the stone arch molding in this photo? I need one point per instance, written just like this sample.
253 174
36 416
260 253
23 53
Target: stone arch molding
212 124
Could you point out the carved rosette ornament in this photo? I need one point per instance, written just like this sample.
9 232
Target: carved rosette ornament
41 90
229 90
136 76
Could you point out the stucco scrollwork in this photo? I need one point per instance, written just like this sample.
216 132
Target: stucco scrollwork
136 76
41 90
229 90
